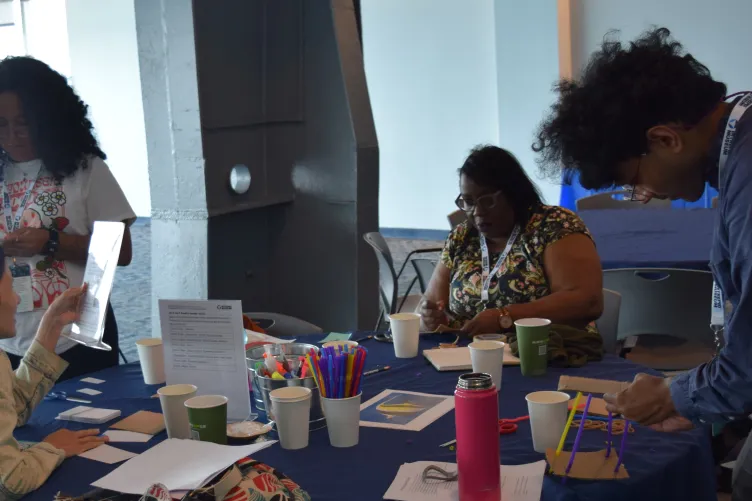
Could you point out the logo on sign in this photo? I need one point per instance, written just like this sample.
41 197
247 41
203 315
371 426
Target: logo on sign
223 307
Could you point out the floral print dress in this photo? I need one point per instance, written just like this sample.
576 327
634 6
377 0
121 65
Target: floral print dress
522 277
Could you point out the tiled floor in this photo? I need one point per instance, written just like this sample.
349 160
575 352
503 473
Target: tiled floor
131 296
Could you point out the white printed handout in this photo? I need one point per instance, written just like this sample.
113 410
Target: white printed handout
104 254
518 483
203 346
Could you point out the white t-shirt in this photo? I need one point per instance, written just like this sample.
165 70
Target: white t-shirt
89 195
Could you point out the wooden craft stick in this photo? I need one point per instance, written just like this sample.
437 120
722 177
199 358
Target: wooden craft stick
610 433
590 385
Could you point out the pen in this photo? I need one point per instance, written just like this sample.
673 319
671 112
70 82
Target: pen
375 371
363 339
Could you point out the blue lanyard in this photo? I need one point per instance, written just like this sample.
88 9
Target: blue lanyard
13 223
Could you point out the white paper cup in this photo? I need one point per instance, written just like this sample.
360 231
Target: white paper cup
292 409
488 357
548 417
173 399
405 334
151 355
342 420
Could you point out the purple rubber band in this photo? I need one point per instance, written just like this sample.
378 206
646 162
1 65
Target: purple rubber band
610 434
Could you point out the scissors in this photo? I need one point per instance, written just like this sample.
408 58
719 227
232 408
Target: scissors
506 427
61 395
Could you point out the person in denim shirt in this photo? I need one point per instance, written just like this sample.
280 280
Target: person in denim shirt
24 468
649 115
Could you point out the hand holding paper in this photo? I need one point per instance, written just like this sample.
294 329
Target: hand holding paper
74 443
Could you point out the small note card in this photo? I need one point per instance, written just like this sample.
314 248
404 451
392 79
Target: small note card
89 391
107 454
127 436
335 336
92 380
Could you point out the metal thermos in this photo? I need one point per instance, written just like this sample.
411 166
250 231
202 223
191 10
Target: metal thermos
476 404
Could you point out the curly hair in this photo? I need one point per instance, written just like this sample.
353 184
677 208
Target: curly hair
59 127
496 168
601 120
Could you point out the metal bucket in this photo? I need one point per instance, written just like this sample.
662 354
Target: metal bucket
262 386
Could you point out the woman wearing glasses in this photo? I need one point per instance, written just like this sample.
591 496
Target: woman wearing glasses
53 185
513 258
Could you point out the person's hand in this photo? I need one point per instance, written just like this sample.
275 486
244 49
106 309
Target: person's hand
65 310
672 424
485 322
433 314
646 401
75 442
26 242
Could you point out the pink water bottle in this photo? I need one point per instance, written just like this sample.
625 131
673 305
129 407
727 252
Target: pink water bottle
476 410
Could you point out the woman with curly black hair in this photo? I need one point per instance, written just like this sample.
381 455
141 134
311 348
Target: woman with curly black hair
53 185
648 114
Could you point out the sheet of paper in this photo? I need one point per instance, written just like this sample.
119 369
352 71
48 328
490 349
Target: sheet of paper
104 253
404 410
257 337
203 346
89 391
177 464
518 483
108 454
335 336
92 380
127 436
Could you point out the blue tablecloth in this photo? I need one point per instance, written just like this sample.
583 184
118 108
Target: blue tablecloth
662 467
648 238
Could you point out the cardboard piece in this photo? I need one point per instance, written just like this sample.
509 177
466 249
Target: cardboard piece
590 385
587 465
146 422
597 408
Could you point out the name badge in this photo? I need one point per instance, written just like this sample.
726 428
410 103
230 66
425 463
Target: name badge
21 274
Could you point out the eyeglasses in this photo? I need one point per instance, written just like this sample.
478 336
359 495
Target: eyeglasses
18 130
485 202
632 188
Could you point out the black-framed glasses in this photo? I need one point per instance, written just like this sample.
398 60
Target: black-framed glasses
485 202
632 188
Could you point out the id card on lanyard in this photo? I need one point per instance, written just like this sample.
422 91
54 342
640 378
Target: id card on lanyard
485 262
717 317
21 272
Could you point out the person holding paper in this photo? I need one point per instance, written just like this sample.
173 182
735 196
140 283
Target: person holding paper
649 115
24 470
514 258
54 185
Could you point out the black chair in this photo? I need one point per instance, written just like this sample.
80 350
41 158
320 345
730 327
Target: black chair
424 271
389 278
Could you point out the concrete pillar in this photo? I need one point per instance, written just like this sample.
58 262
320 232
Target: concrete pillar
167 59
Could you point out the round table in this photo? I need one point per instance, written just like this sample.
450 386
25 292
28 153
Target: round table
662 467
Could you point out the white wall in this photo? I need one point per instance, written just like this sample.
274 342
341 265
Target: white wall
527 61
47 33
717 34
431 70
105 73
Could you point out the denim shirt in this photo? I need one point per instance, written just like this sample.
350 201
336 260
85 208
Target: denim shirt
721 389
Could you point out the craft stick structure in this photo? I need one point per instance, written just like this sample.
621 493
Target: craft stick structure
601 465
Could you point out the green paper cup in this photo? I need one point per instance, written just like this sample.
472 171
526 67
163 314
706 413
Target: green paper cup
207 416
532 342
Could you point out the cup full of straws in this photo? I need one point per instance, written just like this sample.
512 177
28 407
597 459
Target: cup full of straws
338 371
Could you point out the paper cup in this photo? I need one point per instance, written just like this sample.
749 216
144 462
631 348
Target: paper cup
532 342
405 334
292 409
488 357
173 399
548 417
207 416
151 355
342 420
